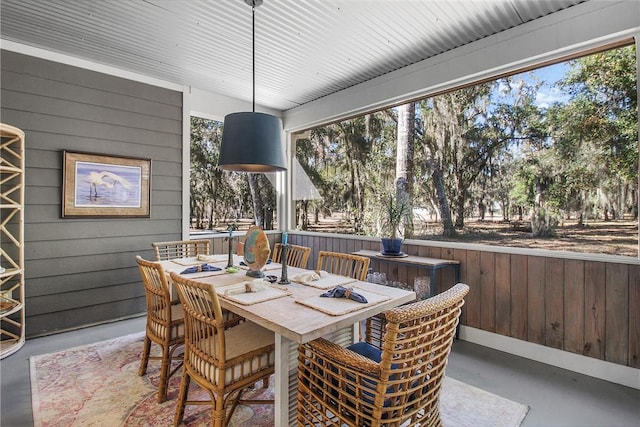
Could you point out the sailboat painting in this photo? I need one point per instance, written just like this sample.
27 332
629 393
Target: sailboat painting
100 185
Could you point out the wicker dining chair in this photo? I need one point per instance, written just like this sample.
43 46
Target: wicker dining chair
165 323
297 256
186 249
181 249
222 361
395 384
349 265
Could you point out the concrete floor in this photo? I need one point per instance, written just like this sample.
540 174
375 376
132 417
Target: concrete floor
556 397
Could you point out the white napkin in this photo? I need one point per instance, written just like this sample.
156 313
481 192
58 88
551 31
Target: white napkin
258 285
306 277
236 289
311 276
254 286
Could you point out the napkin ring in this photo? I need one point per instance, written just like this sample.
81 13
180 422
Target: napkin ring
347 292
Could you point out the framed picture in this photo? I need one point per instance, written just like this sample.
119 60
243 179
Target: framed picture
105 186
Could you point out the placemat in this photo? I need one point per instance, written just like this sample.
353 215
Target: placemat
186 261
202 274
249 298
213 258
327 282
340 306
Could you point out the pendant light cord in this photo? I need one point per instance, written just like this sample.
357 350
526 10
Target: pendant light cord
253 32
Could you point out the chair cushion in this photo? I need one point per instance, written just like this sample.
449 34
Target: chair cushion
174 330
367 350
246 337
177 321
176 312
374 353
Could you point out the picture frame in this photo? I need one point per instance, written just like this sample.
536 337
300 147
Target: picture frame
105 186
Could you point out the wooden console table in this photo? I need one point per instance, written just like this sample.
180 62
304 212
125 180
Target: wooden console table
431 264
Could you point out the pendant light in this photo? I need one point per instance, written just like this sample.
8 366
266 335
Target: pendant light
252 142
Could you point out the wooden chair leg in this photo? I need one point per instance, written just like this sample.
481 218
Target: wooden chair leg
164 375
219 412
182 398
145 356
234 405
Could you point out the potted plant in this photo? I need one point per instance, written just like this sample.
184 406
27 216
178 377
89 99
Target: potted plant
392 214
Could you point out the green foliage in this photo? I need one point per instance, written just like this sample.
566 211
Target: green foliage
392 213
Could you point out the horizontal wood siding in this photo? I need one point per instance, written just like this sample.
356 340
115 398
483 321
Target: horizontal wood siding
83 271
580 306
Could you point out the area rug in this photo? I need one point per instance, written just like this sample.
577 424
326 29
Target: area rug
98 385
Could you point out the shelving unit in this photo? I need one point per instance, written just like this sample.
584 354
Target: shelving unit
12 239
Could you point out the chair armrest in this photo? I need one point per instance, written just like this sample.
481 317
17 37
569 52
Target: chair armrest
337 355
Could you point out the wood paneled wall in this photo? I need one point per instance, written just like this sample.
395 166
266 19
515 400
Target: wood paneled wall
83 271
588 307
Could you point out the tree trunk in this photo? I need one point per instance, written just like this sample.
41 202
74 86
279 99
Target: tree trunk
482 209
443 204
359 201
258 203
542 224
305 215
460 200
404 163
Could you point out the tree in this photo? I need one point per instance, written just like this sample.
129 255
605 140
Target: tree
459 139
307 156
263 198
404 163
604 104
345 153
217 195
206 180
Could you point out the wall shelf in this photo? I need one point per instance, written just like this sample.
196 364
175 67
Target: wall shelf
12 295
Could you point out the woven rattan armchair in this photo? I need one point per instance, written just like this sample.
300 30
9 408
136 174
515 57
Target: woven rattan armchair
297 256
181 249
349 265
165 323
223 361
392 385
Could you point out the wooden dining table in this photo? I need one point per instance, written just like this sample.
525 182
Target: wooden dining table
296 314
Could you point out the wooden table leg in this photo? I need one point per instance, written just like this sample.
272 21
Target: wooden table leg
286 381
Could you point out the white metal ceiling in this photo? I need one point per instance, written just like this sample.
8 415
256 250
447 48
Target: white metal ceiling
305 49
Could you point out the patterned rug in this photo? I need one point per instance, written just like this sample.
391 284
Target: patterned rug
98 385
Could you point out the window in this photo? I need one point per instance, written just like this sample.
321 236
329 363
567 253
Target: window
543 159
220 198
